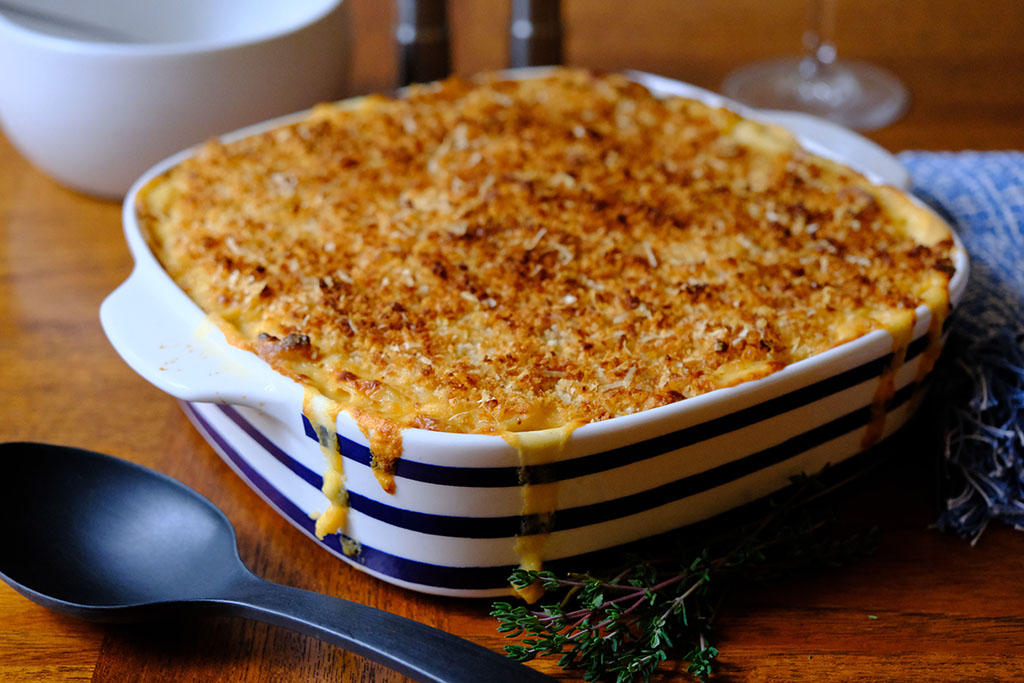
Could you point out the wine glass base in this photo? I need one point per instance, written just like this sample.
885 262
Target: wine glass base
853 94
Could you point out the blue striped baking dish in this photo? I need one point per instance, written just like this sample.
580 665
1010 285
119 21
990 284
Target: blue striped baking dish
452 524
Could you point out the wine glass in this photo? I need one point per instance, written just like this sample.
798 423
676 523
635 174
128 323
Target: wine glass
854 94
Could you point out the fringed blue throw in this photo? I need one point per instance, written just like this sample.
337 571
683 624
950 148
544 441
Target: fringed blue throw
982 195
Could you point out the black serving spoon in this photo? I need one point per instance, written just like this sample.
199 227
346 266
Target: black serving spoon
108 540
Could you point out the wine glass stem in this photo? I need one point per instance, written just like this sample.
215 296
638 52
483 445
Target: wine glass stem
819 38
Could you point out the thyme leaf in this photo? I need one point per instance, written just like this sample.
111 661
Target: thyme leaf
622 623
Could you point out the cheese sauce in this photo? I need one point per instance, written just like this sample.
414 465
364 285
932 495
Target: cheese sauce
899 324
323 415
540 498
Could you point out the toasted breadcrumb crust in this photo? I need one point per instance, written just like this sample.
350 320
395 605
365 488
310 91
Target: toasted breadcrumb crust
494 256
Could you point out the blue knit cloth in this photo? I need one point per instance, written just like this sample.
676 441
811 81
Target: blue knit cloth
982 196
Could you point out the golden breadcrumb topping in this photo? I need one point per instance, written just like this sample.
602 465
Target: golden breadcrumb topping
499 256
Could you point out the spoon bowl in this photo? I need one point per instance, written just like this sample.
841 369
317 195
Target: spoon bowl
108 540
112 533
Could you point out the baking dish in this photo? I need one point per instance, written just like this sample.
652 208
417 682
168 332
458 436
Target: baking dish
452 524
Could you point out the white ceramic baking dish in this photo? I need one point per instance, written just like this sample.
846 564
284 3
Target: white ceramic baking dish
451 526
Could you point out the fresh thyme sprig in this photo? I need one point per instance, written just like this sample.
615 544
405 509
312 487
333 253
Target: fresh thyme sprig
622 624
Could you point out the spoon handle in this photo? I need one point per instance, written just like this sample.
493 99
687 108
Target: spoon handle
409 647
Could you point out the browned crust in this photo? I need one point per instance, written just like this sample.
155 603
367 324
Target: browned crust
515 255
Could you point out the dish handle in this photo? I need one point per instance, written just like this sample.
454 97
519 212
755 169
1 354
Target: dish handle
180 351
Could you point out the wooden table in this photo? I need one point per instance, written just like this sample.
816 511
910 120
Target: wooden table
944 610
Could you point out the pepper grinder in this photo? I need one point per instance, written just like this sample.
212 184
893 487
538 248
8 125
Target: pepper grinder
423 41
535 33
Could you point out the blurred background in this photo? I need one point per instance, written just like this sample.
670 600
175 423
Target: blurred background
923 42
136 103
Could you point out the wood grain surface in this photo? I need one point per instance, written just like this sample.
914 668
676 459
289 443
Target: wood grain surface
926 607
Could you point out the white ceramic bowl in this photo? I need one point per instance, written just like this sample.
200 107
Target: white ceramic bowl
451 526
95 114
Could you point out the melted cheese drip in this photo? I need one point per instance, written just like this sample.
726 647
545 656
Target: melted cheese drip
937 299
540 499
900 324
324 418
385 438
